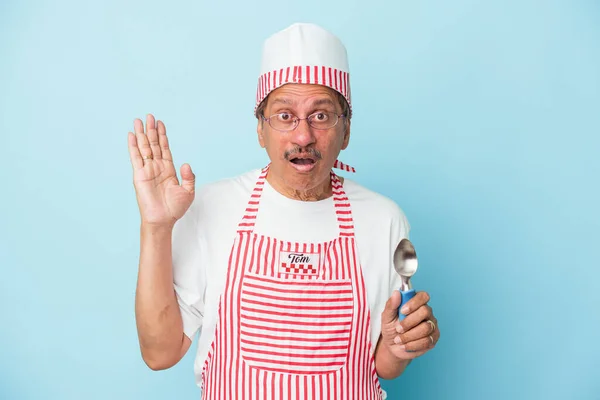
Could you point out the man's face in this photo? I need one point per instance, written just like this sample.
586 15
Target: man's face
302 158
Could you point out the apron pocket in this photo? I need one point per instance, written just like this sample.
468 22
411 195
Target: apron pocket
295 326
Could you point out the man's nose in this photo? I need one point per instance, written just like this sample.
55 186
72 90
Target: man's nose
303 135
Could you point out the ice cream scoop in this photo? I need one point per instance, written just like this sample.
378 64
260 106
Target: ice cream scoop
405 264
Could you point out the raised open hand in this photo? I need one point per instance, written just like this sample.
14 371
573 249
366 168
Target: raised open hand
161 199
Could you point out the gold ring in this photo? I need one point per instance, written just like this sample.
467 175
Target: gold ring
432 325
148 157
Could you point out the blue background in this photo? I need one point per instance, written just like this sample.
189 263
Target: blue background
480 118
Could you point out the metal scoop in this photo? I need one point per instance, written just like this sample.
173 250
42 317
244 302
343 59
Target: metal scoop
405 264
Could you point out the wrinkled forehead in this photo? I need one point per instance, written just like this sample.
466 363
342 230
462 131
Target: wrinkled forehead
302 96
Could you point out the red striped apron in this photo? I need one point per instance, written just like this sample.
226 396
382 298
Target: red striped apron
293 318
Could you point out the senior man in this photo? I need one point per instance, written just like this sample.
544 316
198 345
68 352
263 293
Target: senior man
286 272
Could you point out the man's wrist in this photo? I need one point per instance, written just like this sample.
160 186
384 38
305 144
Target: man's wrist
156 229
387 365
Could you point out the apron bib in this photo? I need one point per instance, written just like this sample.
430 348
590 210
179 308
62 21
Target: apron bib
293 320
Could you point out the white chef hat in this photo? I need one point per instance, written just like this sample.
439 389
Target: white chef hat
303 53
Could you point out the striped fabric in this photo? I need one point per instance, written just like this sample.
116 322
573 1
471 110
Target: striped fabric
327 76
312 340
292 336
340 165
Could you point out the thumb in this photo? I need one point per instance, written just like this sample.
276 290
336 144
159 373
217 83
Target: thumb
188 179
390 312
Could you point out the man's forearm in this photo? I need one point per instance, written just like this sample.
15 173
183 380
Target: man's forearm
158 318
387 365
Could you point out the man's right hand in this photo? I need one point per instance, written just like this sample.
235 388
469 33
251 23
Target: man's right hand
161 199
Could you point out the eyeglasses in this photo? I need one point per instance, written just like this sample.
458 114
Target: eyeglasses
288 122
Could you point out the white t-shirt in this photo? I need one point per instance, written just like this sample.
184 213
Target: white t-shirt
203 237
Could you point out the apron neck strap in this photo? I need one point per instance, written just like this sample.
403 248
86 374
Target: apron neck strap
340 165
340 201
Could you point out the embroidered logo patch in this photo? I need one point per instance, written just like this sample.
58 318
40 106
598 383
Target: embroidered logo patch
297 263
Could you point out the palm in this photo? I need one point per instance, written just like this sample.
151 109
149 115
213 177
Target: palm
161 199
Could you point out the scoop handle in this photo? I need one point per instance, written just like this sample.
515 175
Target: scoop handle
405 296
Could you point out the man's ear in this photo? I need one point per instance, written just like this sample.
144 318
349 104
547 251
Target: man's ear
346 134
259 130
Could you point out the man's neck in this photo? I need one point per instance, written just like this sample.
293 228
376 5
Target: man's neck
320 192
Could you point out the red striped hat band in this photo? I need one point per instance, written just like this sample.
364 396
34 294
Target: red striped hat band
335 79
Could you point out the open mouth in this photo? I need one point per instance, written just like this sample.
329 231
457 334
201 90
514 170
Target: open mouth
302 161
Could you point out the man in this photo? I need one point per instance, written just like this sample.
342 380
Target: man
286 271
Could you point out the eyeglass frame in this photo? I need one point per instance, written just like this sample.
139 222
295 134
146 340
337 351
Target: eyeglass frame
298 119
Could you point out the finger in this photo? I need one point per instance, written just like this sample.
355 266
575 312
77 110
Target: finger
152 135
420 344
422 314
164 141
417 301
150 124
420 331
142 140
390 312
188 179
134 152
138 126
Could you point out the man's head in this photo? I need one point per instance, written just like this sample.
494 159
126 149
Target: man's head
303 105
303 128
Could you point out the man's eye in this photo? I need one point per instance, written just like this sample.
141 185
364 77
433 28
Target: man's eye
284 117
321 117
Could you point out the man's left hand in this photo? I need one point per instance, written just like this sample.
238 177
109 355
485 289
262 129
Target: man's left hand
416 334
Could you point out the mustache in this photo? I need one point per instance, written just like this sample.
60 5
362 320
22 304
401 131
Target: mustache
300 151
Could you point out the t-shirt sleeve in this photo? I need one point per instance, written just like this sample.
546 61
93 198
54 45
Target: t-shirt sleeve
189 277
400 230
